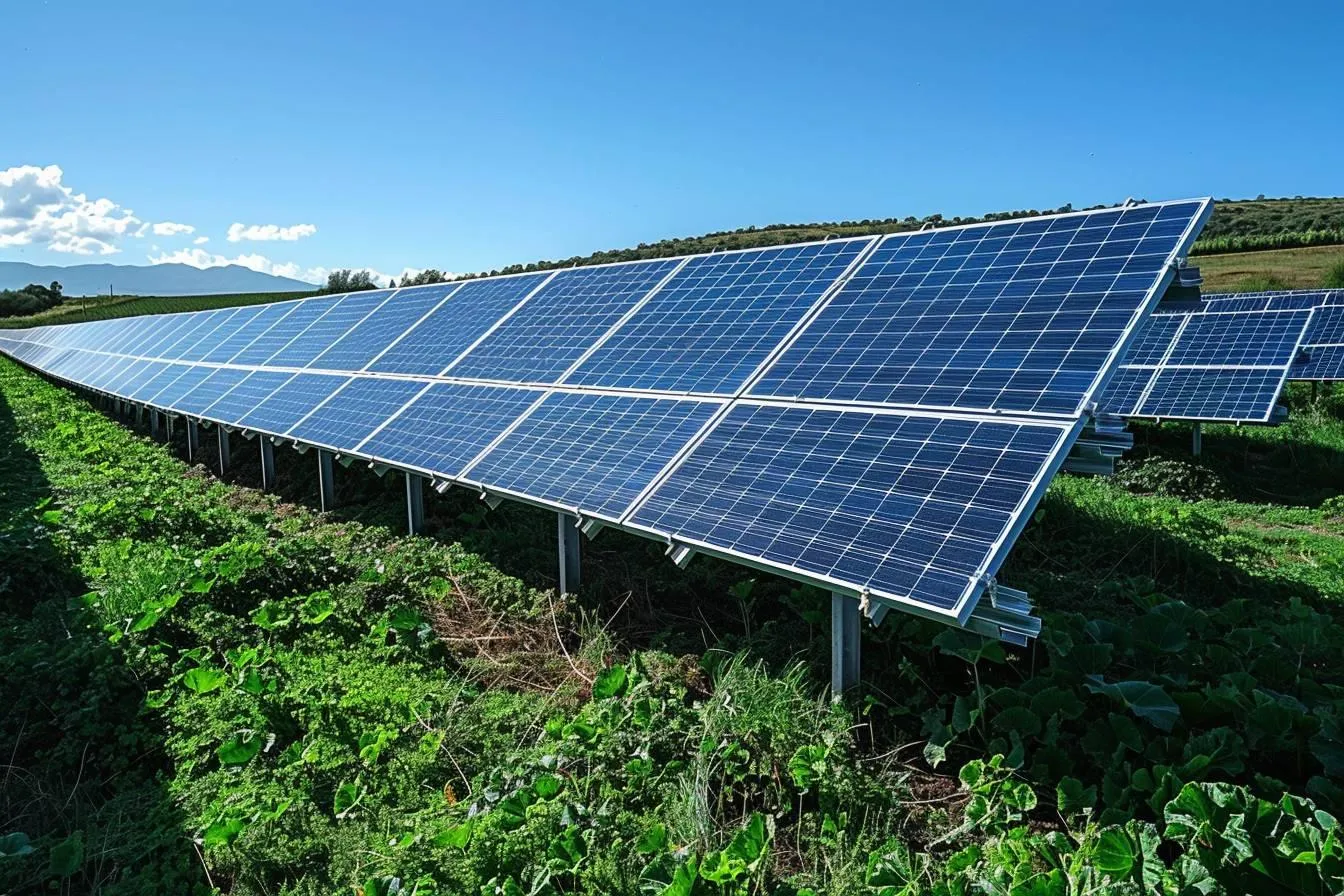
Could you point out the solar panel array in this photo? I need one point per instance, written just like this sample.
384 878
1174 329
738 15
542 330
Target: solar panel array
1322 355
1213 365
876 415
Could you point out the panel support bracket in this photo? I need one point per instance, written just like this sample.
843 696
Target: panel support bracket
567 539
845 633
415 503
155 425
326 479
223 435
267 464
193 440
1196 440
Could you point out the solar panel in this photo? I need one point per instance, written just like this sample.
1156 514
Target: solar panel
1015 316
246 394
371 336
566 317
874 415
335 322
910 508
348 417
1208 365
445 428
283 331
591 452
433 343
1324 363
709 327
285 407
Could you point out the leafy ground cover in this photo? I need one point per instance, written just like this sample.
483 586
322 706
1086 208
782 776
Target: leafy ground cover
207 689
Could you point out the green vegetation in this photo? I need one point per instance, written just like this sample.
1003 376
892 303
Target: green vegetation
1282 269
1334 277
1257 242
209 688
1261 216
348 281
30 300
73 311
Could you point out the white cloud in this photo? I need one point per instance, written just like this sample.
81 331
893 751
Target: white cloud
268 232
38 209
168 228
202 258
201 240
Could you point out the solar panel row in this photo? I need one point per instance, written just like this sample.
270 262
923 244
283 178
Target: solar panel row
878 415
1209 365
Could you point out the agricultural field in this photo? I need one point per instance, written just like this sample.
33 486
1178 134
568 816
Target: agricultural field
74 311
208 689
1314 266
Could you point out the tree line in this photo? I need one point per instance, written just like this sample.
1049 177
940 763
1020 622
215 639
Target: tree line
30 299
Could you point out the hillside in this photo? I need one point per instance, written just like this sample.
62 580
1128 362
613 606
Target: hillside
147 280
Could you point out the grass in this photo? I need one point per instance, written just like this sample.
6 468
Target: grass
1280 268
210 689
103 308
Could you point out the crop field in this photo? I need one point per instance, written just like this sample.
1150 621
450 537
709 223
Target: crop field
1270 269
74 311
208 689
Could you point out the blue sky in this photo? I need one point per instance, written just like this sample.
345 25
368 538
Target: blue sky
466 137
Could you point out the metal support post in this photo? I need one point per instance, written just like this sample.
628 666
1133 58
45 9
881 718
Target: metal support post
845 618
1196 440
154 428
193 439
326 481
267 463
139 414
568 536
415 503
223 449
168 421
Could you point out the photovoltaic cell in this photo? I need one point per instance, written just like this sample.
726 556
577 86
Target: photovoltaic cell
436 341
557 325
1327 327
713 324
242 330
284 330
906 506
1324 362
1249 339
1246 394
286 406
177 395
325 330
444 429
368 339
348 417
1017 316
147 388
1125 389
228 324
249 392
214 386
591 452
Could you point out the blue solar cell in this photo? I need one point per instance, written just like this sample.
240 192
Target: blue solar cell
200 329
1246 339
121 382
368 339
1203 393
1324 363
1327 327
338 320
1014 316
913 508
566 317
591 452
177 394
147 388
445 428
435 342
239 332
1154 339
1123 392
286 406
713 324
361 406
164 331
228 323
249 392
285 329
209 389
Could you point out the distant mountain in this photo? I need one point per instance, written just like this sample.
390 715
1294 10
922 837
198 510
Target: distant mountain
146 280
